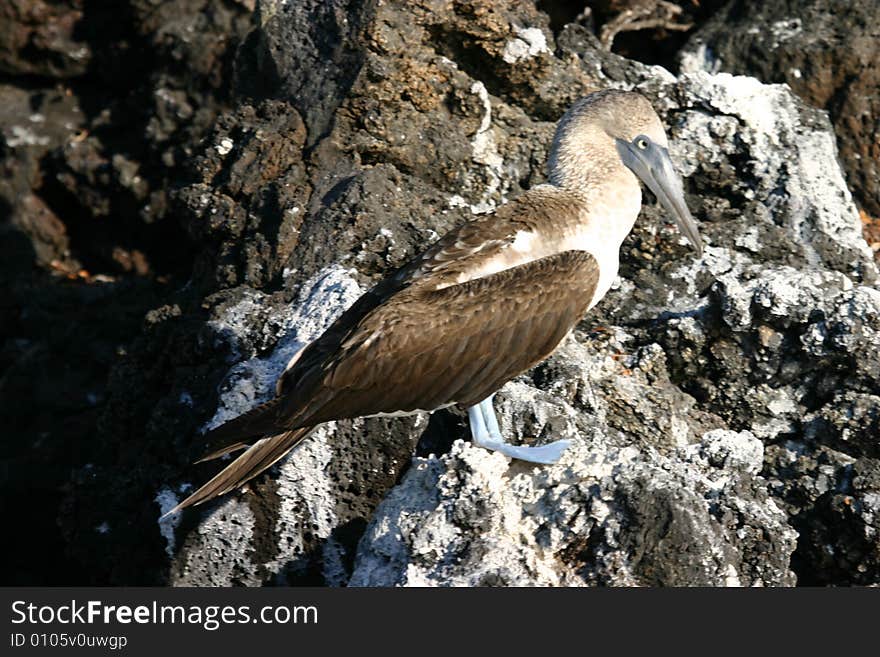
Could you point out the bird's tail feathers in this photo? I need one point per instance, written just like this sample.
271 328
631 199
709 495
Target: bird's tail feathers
259 421
222 451
237 433
258 457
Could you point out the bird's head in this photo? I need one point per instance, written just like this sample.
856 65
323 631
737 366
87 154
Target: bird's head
612 131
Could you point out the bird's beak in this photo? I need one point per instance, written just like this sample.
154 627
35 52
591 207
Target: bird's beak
654 167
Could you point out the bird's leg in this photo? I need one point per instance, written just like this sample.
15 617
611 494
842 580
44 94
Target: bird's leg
485 432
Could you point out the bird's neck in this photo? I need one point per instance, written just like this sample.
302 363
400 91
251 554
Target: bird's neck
609 198
606 191
584 162
581 156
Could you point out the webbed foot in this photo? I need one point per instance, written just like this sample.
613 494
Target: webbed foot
485 432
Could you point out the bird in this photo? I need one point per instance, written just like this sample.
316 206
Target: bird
485 303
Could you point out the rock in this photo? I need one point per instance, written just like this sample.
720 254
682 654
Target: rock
832 498
306 53
605 515
723 409
750 364
87 152
33 124
39 38
825 50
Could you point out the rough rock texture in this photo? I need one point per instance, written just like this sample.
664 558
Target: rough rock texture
99 105
607 514
771 334
826 50
725 410
39 38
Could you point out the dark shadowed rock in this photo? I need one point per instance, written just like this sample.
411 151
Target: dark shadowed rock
307 53
39 38
826 50
100 102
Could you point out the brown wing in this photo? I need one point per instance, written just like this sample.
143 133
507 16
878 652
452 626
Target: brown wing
345 373
234 434
464 247
422 349
301 389
468 244
427 348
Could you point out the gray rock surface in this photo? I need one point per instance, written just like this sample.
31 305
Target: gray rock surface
607 514
825 50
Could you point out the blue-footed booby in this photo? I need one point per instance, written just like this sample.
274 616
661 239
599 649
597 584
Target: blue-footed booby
488 301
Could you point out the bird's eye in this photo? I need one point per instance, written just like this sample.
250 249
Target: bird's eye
642 143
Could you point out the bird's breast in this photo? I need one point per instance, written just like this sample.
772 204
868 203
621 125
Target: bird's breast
601 234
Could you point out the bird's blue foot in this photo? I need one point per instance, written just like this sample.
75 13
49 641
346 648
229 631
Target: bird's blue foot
485 432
